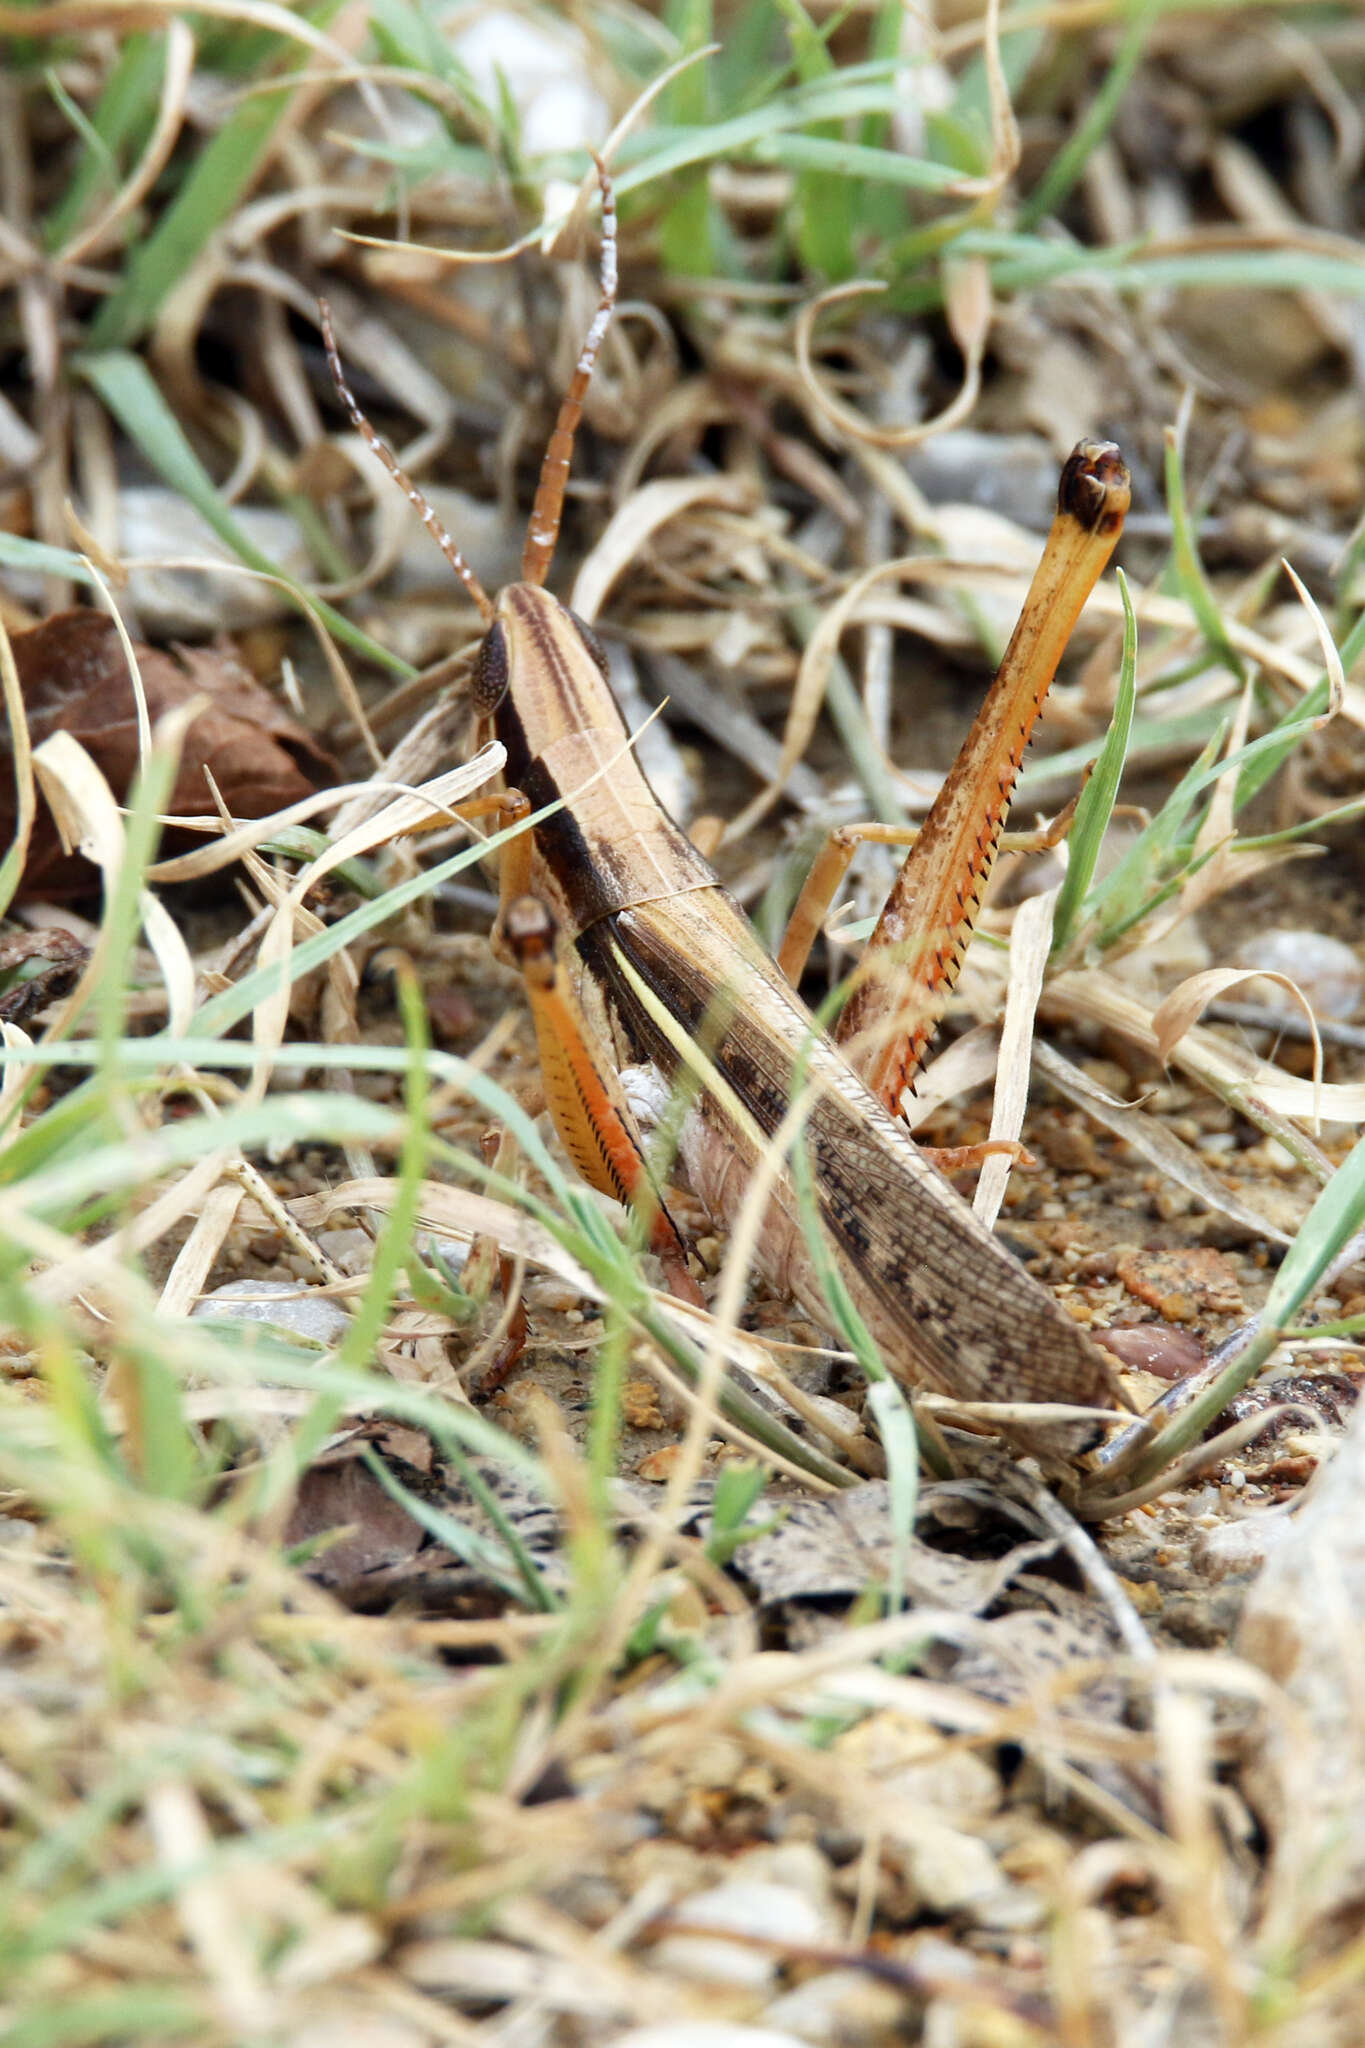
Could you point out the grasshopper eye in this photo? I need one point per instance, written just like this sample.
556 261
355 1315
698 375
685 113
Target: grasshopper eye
593 644
491 671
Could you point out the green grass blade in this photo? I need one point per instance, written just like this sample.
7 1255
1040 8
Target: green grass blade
824 205
840 160
128 389
39 558
1290 729
1194 587
220 175
663 150
687 229
126 110
1150 737
1097 799
87 2019
523 1580
394 1245
1071 159
222 1011
302 1118
1116 901
1335 1217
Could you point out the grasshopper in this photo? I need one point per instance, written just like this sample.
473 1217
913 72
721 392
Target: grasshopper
633 953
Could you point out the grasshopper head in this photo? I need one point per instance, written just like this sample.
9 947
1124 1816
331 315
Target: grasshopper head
540 673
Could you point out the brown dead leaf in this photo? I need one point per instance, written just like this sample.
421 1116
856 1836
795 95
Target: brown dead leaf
65 955
56 943
74 677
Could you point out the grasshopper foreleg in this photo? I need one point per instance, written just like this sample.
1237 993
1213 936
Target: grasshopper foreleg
583 1092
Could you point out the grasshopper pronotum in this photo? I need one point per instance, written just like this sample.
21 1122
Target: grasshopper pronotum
620 925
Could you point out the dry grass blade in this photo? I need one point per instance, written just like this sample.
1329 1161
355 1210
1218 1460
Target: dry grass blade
633 523
1183 1007
969 313
1265 1095
270 1016
1030 945
1153 1140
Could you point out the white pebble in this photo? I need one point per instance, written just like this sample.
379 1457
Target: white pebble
306 1312
749 1906
352 1250
1327 970
705 2034
839 2008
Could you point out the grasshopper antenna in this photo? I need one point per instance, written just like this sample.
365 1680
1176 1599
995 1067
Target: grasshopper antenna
400 476
543 530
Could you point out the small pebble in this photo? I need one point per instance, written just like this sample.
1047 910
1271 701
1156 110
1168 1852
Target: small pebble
1012 474
747 1906
843 1422
352 1251
951 1872
450 1252
1154 1347
1181 1284
548 1293
657 1466
840 2008
1239 1546
1327 970
309 1314
352 2020
705 2034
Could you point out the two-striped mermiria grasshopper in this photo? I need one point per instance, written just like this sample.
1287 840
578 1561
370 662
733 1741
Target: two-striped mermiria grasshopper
635 955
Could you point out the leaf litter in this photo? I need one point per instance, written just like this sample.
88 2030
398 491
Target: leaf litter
493 1760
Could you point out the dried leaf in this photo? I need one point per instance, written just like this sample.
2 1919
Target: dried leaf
836 1548
65 955
1187 1003
642 514
75 679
